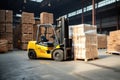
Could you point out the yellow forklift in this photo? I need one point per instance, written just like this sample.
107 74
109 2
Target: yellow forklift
58 50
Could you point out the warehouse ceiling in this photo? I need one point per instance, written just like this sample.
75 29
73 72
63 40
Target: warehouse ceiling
58 7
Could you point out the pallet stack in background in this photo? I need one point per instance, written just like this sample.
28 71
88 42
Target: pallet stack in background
6 27
50 34
113 40
85 42
102 41
35 27
27 22
45 31
47 18
3 45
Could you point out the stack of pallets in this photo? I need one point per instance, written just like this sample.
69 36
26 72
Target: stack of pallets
47 18
35 27
26 29
113 45
3 45
6 27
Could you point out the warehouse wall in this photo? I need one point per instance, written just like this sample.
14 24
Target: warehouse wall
106 18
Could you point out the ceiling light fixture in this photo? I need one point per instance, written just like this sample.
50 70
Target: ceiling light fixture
37 0
49 4
25 1
20 10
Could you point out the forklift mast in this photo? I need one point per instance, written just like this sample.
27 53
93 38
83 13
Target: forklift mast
62 24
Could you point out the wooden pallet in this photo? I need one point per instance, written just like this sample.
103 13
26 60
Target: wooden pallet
113 52
101 48
86 59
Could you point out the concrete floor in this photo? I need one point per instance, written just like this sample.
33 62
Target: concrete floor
15 65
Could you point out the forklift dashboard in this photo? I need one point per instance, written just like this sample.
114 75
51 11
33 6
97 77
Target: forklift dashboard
47 44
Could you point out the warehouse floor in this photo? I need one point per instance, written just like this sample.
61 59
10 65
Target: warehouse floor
15 65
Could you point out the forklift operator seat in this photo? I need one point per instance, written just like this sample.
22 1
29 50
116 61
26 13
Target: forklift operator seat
43 39
45 42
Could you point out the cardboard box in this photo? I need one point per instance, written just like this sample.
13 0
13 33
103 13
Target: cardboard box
26 37
24 46
6 27
50 37
113 41
3 45
42 30
51 18
2 16
27 28
7 36
28 18
2 27
50 30
83 29
6 16
9 16
46 18
9 27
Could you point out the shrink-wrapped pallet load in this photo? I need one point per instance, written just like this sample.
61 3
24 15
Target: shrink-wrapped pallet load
85 42
113 42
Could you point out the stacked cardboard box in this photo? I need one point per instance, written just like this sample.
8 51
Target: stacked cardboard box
35 27
85 42
102 41
27 22
2 27
2 15
28 18
48 32
9 16
46 18
6 27
3 45
113 41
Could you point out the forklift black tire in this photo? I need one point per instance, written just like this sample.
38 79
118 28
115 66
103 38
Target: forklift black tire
58 55
32 54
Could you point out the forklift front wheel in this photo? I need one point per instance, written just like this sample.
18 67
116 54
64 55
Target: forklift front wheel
58 55
32 54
